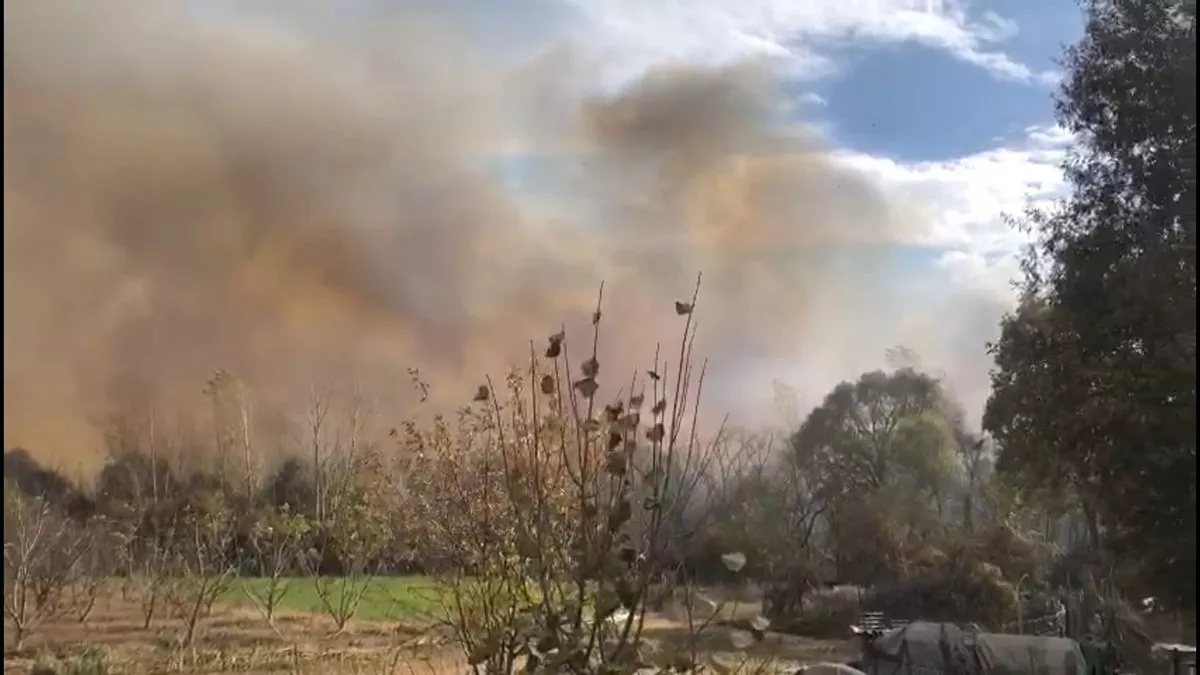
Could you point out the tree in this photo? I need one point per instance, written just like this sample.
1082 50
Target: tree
202 571
231 426
1041 448
275 541
774 514
42 553
855 436
875 449
353 534
291 487
1095 379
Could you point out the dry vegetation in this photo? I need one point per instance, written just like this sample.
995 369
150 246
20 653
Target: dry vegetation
557 526
554 527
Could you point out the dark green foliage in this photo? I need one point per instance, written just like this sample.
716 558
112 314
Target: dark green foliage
1095 379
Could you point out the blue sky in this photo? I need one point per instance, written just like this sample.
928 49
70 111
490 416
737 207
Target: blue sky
915 102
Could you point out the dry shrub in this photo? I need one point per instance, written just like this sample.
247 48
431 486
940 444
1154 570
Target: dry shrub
550 515
955 585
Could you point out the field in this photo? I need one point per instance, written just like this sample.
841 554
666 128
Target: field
391 634
412 599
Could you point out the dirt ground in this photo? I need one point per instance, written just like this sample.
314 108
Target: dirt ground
112 641
232 639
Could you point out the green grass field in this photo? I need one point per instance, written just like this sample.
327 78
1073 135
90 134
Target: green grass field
405 598
411 598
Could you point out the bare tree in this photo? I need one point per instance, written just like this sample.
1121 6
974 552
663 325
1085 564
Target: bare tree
352 518
786 513
202 571
276 539
96 565
353 535
134 484
320 403
231 425
42 553
146 555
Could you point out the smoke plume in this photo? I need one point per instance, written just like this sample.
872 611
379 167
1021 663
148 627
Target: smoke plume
188 193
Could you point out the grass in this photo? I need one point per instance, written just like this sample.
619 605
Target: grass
411 598
403 598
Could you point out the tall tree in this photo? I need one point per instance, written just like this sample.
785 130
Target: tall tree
860 433
1095 378
878 457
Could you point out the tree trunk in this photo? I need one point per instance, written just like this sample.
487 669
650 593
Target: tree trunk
1093 529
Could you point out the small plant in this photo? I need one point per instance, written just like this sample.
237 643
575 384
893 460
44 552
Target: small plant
202 571
148 579
275 540
91 660
351 523
353 536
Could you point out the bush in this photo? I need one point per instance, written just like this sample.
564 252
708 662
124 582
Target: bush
956 587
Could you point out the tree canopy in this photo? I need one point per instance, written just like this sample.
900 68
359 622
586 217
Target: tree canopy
1094 386
875 448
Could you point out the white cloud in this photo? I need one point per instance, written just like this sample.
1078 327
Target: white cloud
633 34
965 201
813 99
992 277
949 311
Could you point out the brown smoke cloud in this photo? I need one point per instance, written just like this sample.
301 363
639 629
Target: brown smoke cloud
183 195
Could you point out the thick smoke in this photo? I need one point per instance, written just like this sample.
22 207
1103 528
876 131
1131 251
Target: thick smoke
183 194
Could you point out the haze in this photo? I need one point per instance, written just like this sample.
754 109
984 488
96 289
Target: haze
290 200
